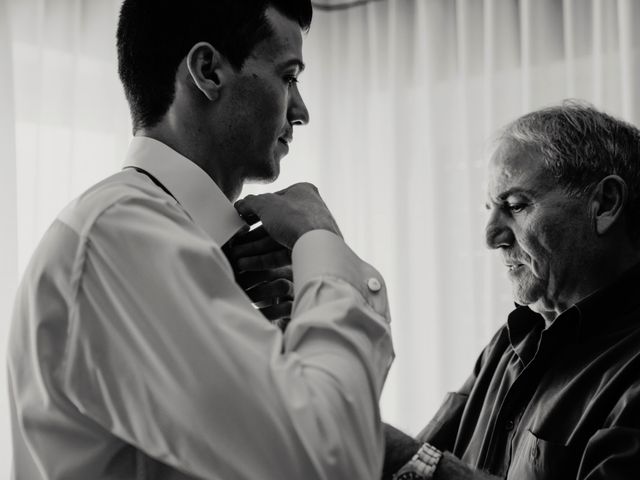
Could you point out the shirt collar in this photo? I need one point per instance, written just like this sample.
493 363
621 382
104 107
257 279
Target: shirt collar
602 312
524 327
194 190
606 310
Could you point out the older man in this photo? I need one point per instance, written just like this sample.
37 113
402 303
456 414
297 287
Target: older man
134 354
556 393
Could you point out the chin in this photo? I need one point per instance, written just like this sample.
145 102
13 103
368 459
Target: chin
527 294
267 174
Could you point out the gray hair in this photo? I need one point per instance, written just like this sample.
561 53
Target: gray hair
579 146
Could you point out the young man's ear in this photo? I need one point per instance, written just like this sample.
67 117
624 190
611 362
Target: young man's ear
609 199
207 68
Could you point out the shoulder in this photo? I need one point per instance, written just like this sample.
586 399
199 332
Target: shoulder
125 188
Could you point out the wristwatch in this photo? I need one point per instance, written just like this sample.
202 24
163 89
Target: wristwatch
422 465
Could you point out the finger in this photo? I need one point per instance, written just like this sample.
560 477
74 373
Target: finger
263 304
252 248
250 218
280 288
278 311
270 301
299 187
279 258
250 207
250 235
251 279
271 292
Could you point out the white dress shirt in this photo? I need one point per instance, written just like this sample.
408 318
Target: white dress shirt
134 355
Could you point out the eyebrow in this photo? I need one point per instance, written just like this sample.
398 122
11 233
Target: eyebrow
506 194
515 191
294 62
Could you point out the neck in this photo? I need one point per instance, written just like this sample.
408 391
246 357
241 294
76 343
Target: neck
602 274
189 143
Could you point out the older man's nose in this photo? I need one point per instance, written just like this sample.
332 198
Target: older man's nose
497 233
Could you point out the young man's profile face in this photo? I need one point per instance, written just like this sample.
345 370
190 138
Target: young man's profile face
263 102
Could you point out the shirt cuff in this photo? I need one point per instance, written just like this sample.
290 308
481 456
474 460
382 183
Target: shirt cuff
321 253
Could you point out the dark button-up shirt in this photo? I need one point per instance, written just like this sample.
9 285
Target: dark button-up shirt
561 402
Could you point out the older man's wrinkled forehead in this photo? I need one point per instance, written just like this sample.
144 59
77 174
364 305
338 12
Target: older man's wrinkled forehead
515 167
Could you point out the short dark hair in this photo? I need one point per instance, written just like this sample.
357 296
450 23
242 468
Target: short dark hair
155 35
580 146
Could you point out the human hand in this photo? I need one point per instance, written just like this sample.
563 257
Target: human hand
288 214
263 270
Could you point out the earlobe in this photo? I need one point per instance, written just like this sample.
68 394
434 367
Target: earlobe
205 65
609 201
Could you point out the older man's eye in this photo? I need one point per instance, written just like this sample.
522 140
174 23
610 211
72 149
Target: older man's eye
516 207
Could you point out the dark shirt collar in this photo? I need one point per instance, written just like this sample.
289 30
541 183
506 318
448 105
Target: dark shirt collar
524 327
601 312
604 310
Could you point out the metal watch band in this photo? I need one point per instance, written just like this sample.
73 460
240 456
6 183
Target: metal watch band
422 465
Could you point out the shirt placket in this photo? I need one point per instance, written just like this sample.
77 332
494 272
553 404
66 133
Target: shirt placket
497 456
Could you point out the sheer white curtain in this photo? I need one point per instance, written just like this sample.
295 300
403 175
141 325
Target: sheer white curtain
63 125
404 97
9 239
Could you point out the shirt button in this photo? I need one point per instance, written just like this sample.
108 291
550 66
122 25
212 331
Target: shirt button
533 453
374 284
509 426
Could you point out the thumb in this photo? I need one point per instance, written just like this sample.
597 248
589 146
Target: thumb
249 208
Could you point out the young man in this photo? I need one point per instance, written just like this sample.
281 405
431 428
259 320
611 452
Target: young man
134 354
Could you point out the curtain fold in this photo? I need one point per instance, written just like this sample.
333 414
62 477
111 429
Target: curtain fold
71 118
405 98
8 198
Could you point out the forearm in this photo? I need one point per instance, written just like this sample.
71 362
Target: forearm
399 448
452 468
